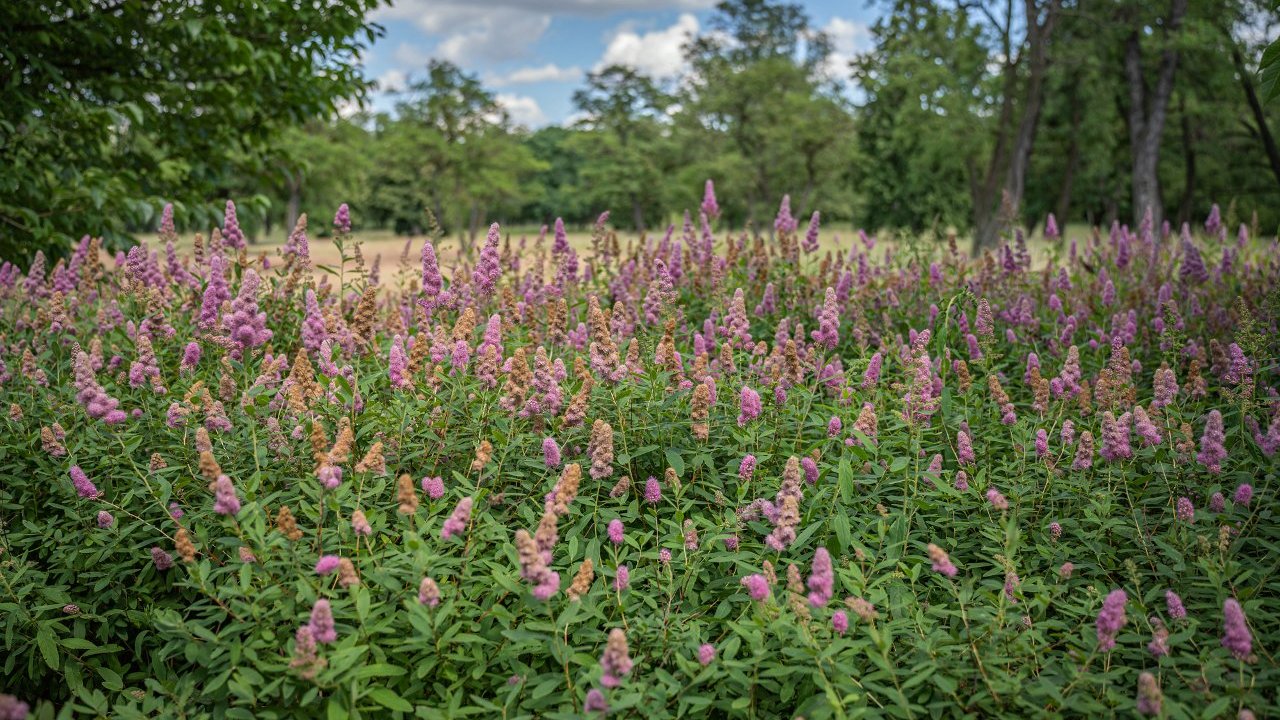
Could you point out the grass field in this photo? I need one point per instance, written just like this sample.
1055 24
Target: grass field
390 247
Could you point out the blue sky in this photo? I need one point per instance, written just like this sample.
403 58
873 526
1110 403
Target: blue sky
534 53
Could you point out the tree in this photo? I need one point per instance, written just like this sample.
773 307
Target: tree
623 113
1258 16
1020 37
450 149
1073 172
1148 105
757 77
558 190
925 125
113 107
319 166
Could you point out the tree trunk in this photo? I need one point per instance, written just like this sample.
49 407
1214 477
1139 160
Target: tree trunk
986 212
986 222
637 214
1038 35
473 227
1185 207
1148 110
1063 209
1259 115
293 209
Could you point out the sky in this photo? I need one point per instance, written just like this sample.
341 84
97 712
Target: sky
533 54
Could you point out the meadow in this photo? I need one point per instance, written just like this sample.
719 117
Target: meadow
699 474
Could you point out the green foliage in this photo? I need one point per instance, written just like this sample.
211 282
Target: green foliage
1269 72
924 127
114 108
91 627
220 100
758 104
559 179
626 146
450 150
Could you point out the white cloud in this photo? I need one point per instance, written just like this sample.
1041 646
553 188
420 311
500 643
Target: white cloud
413 9
494 37
495 30
523 109
348 107
574 118
848 38
659 54
393 80
528 75
471 32
408 55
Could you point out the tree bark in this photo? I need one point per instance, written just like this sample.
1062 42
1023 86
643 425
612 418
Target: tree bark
1038 34
986 211
1014 161
637 213
293 209
1063 209
1185 208
1148 109
1259 115
473 227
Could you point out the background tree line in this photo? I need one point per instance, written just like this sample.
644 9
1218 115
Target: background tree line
977 115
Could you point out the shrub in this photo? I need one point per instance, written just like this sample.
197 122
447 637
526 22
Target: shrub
905 484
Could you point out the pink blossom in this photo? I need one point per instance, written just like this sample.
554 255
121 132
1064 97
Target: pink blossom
941 561
433 487
1110 619
224 494
550 452
706 654
748 406
246 326
398 364
342 220
456 523
1212 448
84 487
1236 636
709 204
757 587
321 624
652 491
821 579
1185 511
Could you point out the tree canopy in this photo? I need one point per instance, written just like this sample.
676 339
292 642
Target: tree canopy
113 106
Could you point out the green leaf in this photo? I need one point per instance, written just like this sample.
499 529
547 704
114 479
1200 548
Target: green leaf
388 699
48 646
110 679
675 461
1269 72
74 643
378 670
840 523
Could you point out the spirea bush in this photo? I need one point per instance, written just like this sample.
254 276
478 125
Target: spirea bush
686 476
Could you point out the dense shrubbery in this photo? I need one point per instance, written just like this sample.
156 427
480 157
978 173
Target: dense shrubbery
685 477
